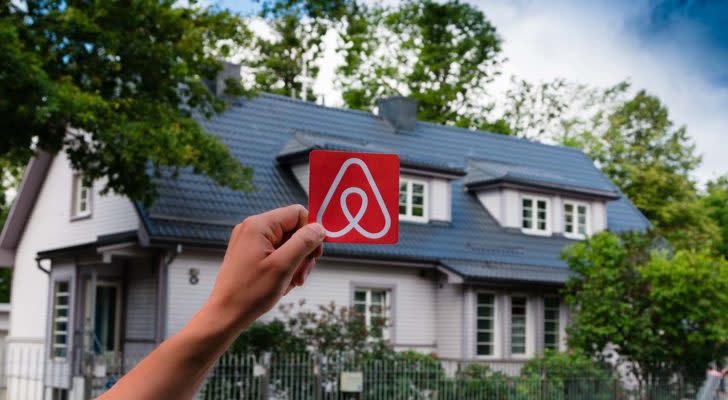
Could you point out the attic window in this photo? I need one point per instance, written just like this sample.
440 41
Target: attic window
535 215
413 200
576 219
81 203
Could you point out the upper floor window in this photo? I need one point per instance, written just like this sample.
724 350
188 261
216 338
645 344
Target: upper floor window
59 336
81 201
412 200
576 219
485 328
535 215
551 323
373 305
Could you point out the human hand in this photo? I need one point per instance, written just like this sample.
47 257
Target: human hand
267 256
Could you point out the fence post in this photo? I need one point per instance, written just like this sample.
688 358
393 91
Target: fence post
544 384
318 381
265 378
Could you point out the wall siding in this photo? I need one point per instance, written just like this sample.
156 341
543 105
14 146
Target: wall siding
414 308
449 317
49 227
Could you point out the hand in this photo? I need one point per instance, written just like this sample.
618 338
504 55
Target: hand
268 255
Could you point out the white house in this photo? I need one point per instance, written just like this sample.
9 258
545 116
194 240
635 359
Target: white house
475 276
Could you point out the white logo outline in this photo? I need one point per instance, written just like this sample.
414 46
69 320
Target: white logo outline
354 220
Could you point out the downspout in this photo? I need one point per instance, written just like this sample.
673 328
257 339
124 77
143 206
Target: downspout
162 293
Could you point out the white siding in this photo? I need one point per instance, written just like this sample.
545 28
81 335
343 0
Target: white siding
49 227
413 297
301 172
492 200
449 326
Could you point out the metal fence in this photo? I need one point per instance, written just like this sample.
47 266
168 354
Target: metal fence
26 375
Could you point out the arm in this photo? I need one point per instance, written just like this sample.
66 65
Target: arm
267 256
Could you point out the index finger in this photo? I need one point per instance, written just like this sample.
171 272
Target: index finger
286 219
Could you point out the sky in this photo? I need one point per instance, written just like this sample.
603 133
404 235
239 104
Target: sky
675 49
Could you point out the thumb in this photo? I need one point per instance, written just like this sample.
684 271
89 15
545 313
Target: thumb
302 243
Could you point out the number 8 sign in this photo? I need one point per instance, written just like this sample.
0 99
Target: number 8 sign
355 196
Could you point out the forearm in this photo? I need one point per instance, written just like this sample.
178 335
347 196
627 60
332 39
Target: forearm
177 368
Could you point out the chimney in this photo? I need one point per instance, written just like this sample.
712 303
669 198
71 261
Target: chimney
399 111
229 70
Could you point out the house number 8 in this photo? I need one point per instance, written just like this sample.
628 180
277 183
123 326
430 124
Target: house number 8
194 276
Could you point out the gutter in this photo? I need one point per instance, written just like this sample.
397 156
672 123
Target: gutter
40 267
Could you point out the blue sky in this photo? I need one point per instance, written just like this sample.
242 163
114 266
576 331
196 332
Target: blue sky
676 49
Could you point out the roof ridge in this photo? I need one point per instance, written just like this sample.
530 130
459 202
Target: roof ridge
496 136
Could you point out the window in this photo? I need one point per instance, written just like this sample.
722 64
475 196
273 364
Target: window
576 219
81 202
59 336
59 394
551 328
104 317
535 215
518 325
485 332
373 305
412 200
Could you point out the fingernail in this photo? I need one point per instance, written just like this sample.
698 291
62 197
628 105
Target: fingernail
319 229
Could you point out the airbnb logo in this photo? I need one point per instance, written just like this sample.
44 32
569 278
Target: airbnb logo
340 182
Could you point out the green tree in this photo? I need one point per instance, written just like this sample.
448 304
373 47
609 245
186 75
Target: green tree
662 314
651 160
116 84
287 64
440 54
715 202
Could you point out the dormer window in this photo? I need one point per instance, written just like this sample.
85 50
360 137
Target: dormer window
81 201
576 219
535 215
413 200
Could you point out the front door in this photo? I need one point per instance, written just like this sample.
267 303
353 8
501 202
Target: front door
103 317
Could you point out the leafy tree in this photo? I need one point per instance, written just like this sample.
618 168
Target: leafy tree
558 110
662 314
116 85
440 54
715 202
268 337
287 64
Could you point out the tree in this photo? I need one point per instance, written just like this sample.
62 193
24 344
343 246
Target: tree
661 313
117 86
715 202
557 111
287 63
440 54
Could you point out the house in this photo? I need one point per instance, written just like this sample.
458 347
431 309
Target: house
475 275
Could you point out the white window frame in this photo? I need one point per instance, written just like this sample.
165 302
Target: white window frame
386 331
575 220
534 213
407 216
559 327
527 329
56 319
78 188
495 338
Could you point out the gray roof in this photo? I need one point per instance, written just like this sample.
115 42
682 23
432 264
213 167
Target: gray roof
263 131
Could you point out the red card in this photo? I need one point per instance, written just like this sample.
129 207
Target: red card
355 196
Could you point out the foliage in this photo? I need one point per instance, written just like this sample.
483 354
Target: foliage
116 85
329 330
440 54
660 313
267 337
287 64
715 202
558 111
554 364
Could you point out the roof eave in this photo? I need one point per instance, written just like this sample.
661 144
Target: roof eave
510 182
